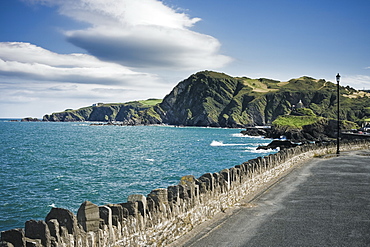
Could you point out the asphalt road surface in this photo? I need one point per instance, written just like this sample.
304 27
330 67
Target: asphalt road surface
324 202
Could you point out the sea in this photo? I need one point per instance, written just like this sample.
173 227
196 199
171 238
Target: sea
51 164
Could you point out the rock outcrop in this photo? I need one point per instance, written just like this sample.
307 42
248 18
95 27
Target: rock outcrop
131 113
321 131
282 144
30 119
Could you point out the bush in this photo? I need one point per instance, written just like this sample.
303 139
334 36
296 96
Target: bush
303 112
295 121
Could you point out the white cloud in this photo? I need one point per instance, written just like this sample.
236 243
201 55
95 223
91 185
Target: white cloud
32 98
152 47
28 61
144 34
125 12
356 81
124 37
36 81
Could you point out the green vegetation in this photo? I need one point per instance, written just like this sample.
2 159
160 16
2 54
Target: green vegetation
348 125
306 83
295 121
150 102
213 74
303 112
209 98
261 85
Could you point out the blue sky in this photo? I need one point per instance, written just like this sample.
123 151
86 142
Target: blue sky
59 54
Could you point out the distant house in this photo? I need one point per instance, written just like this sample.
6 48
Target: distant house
98 104
366 127
298 106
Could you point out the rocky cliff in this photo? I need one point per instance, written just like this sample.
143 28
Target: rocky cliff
130 113
206 99
215 99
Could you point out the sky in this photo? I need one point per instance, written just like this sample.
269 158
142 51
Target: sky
67 54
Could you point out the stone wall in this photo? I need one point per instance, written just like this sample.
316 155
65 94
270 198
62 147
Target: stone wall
164 215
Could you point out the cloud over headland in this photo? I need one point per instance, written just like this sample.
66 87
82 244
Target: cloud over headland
58 54
127 43
40 78
24 61
141 34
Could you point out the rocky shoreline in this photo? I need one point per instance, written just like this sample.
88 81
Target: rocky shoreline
323 131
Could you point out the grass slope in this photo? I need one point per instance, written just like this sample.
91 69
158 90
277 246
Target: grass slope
296 122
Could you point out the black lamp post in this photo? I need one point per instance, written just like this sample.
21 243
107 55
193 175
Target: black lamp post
338 130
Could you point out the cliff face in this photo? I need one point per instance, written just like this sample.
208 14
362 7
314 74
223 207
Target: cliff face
218 100
204 99
131 113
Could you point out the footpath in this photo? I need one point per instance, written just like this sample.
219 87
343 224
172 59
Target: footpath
322 202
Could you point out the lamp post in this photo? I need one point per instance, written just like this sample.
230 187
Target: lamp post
338 130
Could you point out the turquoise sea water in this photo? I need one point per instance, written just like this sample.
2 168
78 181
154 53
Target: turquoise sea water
63 164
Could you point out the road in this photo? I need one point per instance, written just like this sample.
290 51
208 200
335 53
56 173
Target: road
324 202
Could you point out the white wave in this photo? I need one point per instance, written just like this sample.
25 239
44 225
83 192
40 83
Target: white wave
84 124
217 144
257 144
238 135
260 151
52 205
247 136
151 160
221 144
256 137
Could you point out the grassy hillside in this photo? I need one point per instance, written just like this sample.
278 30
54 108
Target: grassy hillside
106 112
150 102
295 121
209 98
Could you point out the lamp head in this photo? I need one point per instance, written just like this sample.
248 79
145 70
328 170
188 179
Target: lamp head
338 77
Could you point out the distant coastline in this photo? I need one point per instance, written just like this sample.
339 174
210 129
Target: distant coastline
10 119
26 119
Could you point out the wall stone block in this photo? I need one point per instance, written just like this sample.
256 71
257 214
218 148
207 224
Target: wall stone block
141 203
117 212
88 216
65 218
38 230
15 236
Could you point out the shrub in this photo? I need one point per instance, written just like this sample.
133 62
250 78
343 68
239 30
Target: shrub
295 121
302 112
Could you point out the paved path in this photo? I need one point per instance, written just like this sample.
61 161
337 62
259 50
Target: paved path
324 202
